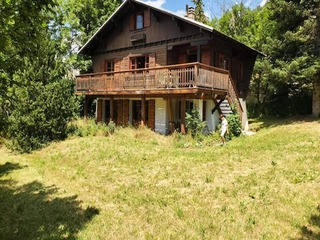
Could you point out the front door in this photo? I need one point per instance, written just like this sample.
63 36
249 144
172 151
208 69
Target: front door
149 113
136 112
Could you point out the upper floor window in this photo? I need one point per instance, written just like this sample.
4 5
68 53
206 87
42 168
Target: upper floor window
224 62
139 62
109 66
139 21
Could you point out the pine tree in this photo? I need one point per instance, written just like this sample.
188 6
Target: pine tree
42 100
199 12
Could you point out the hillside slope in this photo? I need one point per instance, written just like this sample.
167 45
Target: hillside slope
136 184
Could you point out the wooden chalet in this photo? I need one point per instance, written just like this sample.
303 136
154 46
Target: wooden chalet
151 66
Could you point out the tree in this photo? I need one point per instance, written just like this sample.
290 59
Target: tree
20 26
42 98
288 33
237 23
199 12
296 61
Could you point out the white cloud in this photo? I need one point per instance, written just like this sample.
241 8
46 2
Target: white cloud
156 3
263 2
181 13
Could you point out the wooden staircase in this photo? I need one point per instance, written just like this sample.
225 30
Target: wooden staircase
225 108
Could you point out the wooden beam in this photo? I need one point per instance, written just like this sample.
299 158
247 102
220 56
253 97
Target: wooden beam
183 116
85 108
156 15
99 110
217 105
199 53
143 110
111 109
170 115
178 23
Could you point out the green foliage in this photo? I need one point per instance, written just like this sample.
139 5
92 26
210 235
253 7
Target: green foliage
288 33
42 100
36 90
21 26
274 174
234 125
238 22
91 128
74 22
194 123
199 12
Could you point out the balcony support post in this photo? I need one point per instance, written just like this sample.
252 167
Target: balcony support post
170 115
111 109
143 110
85 108
183 115
198 53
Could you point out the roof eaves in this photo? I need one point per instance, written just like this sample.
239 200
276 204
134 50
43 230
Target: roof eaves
186 19
103 25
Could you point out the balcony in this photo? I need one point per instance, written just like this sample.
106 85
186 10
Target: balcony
171 79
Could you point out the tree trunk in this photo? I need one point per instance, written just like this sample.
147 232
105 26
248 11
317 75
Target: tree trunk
316 99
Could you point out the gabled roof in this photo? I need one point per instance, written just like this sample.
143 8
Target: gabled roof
125 3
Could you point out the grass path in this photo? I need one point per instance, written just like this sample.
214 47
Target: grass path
137 184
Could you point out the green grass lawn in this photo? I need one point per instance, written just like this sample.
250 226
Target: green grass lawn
136 184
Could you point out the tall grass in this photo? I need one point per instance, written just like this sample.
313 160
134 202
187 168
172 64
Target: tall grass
136 184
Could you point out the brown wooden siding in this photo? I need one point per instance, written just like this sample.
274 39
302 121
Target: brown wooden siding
99 110
206 57
122 112
151 114
147 18
163 28
158 56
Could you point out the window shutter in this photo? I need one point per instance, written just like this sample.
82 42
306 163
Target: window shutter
125 63
152 60
147 19
102 66
132 21
151 114
125 112
117 65
99 110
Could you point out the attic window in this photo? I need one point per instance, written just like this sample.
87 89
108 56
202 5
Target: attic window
224 62
139 21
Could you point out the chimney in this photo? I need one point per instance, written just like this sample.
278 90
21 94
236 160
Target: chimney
190 12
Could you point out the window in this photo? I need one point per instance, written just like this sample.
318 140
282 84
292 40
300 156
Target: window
139 62
224 62
109 66
139 21
137 112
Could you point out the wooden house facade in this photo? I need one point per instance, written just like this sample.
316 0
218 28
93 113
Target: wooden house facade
151 66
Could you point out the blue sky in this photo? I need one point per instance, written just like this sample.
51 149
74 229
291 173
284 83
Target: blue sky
213 8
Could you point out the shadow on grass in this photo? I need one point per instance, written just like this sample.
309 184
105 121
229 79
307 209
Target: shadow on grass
31 211
259 123
312 231
8 167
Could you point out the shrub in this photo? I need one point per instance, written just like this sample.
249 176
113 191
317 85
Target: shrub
87 128
42 101
234 125
194 123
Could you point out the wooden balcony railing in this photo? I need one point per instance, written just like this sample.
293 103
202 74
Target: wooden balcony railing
191 75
